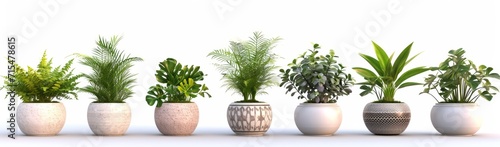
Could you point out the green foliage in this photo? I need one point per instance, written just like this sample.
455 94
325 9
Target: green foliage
459 80
247 67
386 79
179 84
318 78
111 80
44 84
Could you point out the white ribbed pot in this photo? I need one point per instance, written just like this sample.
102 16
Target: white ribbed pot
41 119
252 119
456 118
177 119
318 118
109 119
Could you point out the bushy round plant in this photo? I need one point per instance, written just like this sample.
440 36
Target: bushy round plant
317 78
458 80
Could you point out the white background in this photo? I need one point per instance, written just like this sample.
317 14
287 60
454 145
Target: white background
189 29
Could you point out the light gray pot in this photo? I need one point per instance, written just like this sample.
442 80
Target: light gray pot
253 119
41 119
109 119
177 119
456 118
318 118
386 118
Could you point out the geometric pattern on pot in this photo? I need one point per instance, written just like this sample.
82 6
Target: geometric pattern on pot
249 118
386 118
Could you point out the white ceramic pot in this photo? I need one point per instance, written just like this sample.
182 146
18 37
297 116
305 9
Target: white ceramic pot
253 119
41 119
318 118
109 119
387 118
456 118
179 119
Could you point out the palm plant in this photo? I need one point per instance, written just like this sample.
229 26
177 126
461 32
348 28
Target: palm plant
459 80
386 79
247 67
44 84
111 80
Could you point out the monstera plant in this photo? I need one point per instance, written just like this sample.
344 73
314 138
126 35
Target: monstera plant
175 114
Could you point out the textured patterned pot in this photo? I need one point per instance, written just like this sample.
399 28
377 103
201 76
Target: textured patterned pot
318 119
179 119
252 119
41 119
386 118
108 119
456 118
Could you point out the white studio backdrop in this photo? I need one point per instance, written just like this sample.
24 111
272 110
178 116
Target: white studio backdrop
189 29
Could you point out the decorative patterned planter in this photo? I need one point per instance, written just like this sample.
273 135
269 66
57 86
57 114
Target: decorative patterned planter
456 118
109 119
249 118
41 119
179 119
386 118
318 119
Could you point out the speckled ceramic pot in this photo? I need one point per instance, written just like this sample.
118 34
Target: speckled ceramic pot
253 119
109 119
179 119
386 118
457 118
41 119
318 118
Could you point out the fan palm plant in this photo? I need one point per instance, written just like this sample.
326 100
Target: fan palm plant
386 79
111 80
247 67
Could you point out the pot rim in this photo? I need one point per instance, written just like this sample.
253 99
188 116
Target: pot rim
318 104
455 104
249 104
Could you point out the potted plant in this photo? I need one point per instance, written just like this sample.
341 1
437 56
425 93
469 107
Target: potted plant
386 116
40 114
111 83
247 67
175 114
319 79
459 83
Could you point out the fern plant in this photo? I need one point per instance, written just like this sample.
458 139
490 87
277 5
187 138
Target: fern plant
387 78
178 84
111 80
458 80
317 78
45 84
247 66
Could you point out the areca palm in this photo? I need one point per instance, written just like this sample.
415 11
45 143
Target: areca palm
248 66
111 80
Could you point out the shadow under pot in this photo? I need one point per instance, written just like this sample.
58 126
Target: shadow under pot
386 118
177 119
109 119
456 118
41 119
252 119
